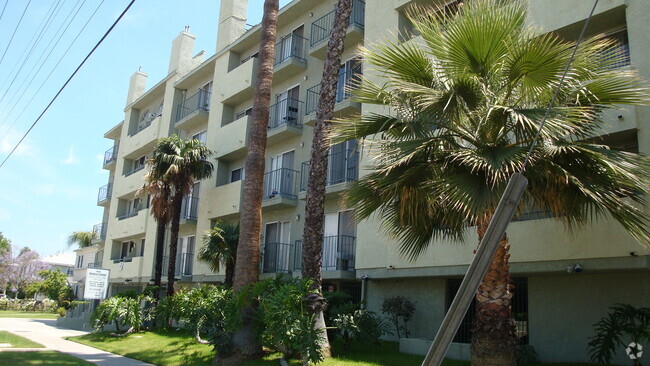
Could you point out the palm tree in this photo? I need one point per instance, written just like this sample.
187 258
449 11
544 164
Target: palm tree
220 249
312 247
463 110
179 163
160 192
83 239
247 263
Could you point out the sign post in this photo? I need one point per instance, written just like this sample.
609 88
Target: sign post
96 284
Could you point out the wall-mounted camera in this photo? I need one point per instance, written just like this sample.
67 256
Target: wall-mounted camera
577 268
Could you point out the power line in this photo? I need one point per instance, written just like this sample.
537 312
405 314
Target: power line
3 9
36 38
12 36
68 81
48 75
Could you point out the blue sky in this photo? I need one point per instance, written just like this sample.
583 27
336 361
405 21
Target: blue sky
48 188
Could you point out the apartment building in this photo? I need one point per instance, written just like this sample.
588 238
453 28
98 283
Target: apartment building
211 99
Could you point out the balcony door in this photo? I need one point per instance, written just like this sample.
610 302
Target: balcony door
190 211
185 256
339 233
343 162
291 45
205 93
278 179
286 108
347 71
276 247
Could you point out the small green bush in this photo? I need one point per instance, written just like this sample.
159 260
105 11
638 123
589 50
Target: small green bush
61 311
121 311
360 326
399 308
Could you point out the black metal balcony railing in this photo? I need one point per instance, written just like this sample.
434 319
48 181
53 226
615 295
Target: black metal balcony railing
618 52
125 259
184 264
99 231
110 155
281 182
135 169
343 166
276 258
104 193
338 253
346 81
96 264
291 46
322 27
190 208
198 101
286 112
130 213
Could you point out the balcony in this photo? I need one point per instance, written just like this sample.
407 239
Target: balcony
290 57
110 157
190 210
193 111
94 265
285 120
229 196
338 253
344 106
99 233
322 27
125 259
233 139
238 84
342 167
280 189
276 258
184 264
104 195
143 139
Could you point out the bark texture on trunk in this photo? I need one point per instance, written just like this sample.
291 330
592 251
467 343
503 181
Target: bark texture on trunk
230 272
177 204
312 250
247 263
160 248
494 337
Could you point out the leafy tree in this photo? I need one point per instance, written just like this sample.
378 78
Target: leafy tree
20 271
179 163
121 311
455 119
83 239
53 284
624 324
5 243
312 247
220 249
399 308
247 262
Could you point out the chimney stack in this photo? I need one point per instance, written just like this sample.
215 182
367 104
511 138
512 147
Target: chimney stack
232 22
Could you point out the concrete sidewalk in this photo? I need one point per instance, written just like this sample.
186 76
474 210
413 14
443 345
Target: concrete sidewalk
45 332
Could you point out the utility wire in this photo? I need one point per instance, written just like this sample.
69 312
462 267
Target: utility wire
71 14
48 75
557 90
12 36
38 36
68 81
3 9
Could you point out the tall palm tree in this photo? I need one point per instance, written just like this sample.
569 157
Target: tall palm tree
247 263
464 108
220 249
312 247
160 192
83 239
179 163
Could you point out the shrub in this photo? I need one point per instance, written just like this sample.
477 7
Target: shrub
288 326
120 311
622 320
399 308
61 311
361 326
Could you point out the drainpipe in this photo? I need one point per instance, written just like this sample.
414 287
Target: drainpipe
364 287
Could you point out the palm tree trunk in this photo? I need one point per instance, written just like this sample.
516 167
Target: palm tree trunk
230 272
160 248
312 250
247 262
177 204
494 336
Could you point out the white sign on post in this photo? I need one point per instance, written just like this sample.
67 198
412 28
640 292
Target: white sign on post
96 284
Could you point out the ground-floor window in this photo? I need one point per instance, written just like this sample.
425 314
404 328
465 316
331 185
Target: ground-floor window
519 310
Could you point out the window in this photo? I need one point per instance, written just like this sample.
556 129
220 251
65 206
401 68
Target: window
201 136
138 164
279 178
242 114
277 247
205 93
243 61
160 108
236 175
142 248
618 55
519 310
347 75
80 261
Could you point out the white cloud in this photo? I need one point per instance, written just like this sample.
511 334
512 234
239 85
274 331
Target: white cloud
45 189
72 158
9 142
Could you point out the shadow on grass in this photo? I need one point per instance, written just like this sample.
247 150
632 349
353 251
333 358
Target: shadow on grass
44 358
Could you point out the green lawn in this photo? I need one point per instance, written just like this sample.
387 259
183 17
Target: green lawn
17 341
27 314
42 358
